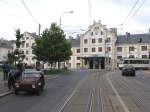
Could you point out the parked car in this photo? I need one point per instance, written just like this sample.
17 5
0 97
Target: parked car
128 70
31 80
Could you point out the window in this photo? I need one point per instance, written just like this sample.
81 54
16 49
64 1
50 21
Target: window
131 48
78 64
85 49
100 40
33 44
91 33
22 45
96 33
131 56
27 59
108 48
144 56
119 49
100 49
78 58
69 64
85 41
108 40
144 48
78 51
22 52
27 38
93 40
93 49
27 52
119 57
27 45
102 33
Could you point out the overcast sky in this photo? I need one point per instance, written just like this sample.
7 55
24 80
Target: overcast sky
13 15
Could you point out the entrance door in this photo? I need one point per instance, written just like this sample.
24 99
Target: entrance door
103 63
91 64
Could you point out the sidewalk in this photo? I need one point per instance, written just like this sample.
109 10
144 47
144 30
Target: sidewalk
3 87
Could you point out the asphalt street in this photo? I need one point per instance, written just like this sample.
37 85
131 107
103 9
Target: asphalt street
86 91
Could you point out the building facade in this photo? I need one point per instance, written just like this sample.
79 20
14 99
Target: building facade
133 46
5 47
98 48
101 47
27 41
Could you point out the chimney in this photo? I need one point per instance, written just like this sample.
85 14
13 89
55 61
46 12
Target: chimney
127 34
94 22
100 21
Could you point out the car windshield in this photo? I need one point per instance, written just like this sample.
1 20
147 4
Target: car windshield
31 74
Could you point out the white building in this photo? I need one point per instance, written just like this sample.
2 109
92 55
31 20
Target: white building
97 48
5 47
27 41
133 46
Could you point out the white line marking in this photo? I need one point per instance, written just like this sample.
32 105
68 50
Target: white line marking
118 96
72 94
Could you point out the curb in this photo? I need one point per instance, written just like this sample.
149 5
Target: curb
10 92
49 78
5 94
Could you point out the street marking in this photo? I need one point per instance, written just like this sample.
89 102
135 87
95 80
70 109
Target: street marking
72 94
118 96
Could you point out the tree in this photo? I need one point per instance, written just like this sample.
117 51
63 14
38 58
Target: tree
11 58
52 46
18 55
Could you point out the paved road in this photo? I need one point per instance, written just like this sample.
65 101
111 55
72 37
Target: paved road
86 91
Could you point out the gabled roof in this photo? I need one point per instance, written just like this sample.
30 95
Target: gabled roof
32 34
75 42
133 39
6 44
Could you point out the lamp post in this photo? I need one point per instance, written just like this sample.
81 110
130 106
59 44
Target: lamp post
62 15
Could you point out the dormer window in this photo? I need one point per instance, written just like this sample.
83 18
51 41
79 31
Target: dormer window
96 33
102 33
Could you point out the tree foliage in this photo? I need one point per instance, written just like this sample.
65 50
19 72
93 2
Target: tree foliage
18 55
52 46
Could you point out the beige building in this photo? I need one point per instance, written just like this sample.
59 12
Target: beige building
133 46
95 49
5 47
98 48
27 41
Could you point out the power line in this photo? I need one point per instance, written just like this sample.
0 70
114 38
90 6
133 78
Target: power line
136 11
29 12
131 10
7 3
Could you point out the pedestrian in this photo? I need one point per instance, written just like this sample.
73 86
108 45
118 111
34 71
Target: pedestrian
6 70
14 75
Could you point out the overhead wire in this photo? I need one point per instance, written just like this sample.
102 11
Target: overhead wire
130 12
29 12
135 12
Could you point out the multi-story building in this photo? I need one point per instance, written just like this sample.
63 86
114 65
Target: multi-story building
133 46
74 62
98 48
5 47
27 41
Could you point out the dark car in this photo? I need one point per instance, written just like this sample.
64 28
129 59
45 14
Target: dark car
31 80
128 70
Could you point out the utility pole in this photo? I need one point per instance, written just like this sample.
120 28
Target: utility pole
39 30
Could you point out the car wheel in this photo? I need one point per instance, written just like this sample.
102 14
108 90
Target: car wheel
38 92
16 92
133 74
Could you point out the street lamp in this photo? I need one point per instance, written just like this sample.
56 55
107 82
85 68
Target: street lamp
62 15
